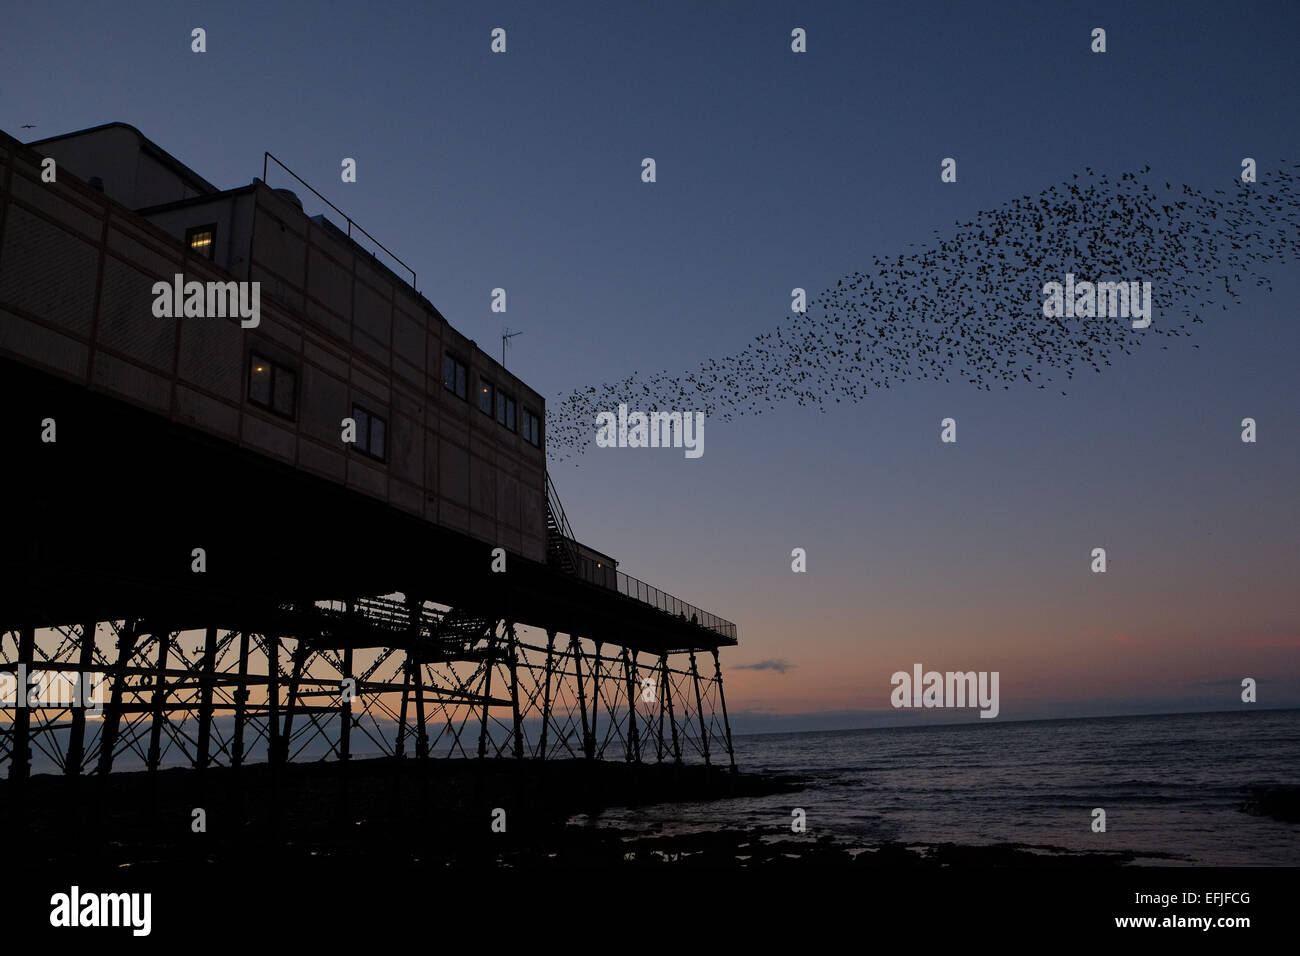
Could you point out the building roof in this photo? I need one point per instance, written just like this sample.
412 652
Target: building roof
147 146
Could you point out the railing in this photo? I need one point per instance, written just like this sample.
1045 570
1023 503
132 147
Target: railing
561 519
351 225
373 611
449 627
567 542
667 603
599 573
394 615
382 612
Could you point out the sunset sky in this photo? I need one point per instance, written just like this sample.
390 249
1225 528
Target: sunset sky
778 170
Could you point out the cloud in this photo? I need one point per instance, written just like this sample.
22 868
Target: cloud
780 665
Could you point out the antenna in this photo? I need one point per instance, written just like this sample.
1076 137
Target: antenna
506 336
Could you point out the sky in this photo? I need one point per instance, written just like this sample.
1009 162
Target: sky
778 170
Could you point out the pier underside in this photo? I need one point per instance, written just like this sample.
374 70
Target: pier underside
322 624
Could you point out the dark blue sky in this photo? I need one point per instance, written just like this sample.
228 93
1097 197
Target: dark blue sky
778 170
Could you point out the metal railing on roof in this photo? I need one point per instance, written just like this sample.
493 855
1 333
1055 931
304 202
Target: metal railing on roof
351 225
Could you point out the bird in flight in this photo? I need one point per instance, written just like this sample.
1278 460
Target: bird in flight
969 306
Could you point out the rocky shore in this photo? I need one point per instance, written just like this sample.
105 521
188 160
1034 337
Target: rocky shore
458 813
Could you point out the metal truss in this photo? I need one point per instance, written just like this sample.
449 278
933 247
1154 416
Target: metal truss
362 677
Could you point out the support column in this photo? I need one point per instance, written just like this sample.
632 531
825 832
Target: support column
345 709
588 741
666 694
722 702
699 708
595 701
77 732
241 703
348 689
546 694
421 733
159 699
633 731
513 661
414 670
300 654
126 639
273 698
659 737
20 758
205 697
399 748
487 692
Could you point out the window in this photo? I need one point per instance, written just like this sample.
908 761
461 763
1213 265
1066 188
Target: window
202 240
506 410
532 428
371 433
485 393
455 376
272 386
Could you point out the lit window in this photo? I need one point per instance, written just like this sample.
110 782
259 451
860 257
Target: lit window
485 394
272 386
532 428
506 410
371 433
202 240
455 376
259 382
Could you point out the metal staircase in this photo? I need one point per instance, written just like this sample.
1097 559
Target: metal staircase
561 551
450 633
459 630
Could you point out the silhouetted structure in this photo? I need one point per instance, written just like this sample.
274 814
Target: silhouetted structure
343 585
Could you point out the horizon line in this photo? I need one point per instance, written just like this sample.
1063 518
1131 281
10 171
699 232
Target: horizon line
977 723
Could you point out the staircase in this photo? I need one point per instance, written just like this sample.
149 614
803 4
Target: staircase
560 549
460 629
453 632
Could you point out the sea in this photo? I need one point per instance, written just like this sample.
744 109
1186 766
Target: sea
1174 788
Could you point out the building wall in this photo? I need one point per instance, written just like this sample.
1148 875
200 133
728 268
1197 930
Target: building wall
76 278
596 567
230 212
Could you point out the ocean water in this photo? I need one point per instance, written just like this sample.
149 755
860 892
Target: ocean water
1172 786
